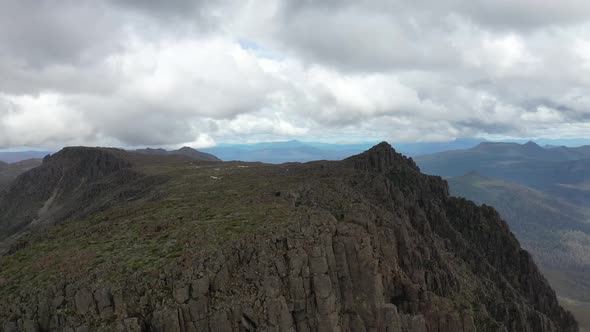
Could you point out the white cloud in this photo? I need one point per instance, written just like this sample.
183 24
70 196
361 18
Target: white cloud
202 141
543 114
40 120
200 73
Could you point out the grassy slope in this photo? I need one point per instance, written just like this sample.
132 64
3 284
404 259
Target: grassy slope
199 207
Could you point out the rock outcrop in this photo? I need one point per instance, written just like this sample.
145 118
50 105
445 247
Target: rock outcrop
70 182
375 246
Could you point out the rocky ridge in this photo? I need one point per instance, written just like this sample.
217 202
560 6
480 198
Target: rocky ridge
73 182
184 151
373 245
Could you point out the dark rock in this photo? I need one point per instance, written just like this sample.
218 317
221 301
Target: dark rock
166 320
103 299
84 302
181 293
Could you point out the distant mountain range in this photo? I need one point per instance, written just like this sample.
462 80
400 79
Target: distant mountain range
13 157
560 171
302 151
9 171
289 151
298 151
184 151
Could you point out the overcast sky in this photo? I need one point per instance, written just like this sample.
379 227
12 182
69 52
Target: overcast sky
180 72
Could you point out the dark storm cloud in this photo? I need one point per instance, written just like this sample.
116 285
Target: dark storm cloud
38 33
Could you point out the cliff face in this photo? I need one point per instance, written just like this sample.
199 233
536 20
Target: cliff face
370 245
74 181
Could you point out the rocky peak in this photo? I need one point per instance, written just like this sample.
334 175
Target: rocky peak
532 146
381 158
87 162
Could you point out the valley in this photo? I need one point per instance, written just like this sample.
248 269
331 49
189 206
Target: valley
525 183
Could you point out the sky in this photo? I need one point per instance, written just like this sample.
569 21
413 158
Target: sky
199 73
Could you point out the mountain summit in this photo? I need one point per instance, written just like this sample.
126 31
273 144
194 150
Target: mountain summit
367 243
184 151
380 158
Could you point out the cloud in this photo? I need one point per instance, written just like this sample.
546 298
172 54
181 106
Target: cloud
40 33
139 73
40 121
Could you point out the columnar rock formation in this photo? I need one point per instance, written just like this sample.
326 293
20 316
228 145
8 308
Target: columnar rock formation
373 245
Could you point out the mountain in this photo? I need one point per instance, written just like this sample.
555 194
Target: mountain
527 210
297 151
532 151
555 232
421 148
111 240
184 151
288 151
77 181
9 172
14 157
563 172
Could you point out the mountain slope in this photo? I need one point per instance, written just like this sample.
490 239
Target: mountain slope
524 208
368 243
297 151
555 232
541 222
9 172
76 181
184 151
563 172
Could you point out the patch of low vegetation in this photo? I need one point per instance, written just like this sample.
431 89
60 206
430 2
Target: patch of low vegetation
198 209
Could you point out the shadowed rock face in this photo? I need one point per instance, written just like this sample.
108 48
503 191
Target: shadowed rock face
9 172
374 246
65 183
382 157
